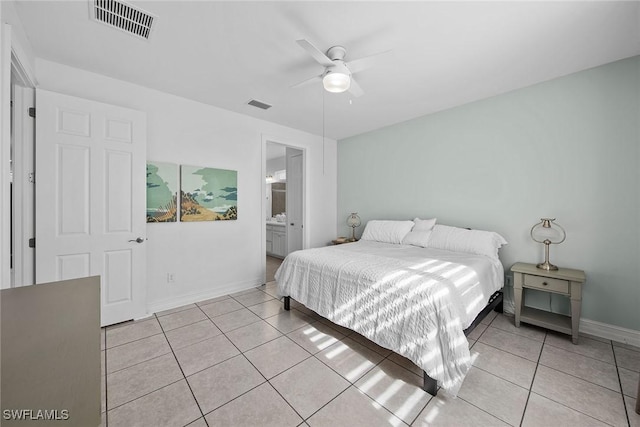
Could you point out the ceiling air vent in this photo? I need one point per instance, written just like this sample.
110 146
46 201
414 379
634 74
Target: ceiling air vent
126 17
258 104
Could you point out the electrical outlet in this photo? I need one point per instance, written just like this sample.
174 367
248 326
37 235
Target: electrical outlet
508 280
171 277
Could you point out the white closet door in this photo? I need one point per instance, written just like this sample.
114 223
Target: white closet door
90 199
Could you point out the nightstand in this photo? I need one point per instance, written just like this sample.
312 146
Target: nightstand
341 240
564 281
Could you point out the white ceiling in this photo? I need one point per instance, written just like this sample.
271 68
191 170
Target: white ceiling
444 53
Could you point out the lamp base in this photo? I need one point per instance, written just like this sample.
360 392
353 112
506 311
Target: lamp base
547 266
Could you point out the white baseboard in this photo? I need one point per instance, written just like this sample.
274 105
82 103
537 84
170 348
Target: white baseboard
181 300
587 326
610 332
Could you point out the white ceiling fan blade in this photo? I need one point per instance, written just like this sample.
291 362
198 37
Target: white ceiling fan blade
313 79
355 88
363 63
315 53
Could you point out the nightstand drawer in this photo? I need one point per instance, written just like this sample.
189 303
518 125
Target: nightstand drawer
546 283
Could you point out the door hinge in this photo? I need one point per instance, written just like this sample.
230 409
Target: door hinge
32 111
32 242
32 177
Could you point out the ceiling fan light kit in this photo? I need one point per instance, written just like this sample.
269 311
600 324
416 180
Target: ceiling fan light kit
336 82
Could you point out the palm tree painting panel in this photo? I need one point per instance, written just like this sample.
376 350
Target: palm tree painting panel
162 192
208 194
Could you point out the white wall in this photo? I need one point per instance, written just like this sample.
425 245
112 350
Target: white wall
19 40
213 258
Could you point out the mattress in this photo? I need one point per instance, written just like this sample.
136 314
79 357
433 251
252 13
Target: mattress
414 301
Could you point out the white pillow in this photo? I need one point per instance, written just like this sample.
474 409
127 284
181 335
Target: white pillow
419 234
470 241
386 231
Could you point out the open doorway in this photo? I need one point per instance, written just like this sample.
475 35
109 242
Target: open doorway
284 207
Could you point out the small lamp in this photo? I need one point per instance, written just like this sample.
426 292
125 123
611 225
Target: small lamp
547 232
353 221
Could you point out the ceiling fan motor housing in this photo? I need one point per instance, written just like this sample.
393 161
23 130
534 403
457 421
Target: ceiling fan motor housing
336 53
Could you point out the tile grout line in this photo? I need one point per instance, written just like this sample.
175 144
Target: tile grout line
582 379
483 410
182 372
506 380
584 355
573 409
533 378
624 403
136 340
136 364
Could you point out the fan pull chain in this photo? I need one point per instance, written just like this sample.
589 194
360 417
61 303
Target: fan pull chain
323 142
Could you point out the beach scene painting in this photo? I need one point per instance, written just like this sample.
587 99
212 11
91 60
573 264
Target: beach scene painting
162 192
208 194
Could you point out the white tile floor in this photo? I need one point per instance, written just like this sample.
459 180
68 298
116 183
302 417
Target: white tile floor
241 360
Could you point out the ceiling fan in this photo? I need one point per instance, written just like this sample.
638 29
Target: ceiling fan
338 74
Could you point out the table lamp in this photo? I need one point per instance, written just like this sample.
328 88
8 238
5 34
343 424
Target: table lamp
353 221
547 232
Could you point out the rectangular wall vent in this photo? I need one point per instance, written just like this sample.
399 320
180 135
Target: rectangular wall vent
258 104
126 17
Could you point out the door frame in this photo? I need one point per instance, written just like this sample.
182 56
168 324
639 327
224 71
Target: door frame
23 194
5 147
14 63
263 191
289 154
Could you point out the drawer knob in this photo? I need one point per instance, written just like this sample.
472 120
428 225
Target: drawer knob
544 283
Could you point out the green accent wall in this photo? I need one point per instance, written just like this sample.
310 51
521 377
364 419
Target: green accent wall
566 148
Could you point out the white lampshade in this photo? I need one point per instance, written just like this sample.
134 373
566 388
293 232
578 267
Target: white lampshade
336 82
353 220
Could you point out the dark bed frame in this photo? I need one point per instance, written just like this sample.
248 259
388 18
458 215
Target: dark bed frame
430 384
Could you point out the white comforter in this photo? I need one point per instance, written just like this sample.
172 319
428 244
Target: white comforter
411 300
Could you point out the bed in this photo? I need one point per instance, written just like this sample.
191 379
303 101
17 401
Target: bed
418 301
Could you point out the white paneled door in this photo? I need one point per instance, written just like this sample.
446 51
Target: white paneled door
90 199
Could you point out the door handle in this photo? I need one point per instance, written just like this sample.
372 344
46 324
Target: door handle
292 224
138 240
